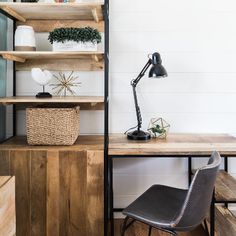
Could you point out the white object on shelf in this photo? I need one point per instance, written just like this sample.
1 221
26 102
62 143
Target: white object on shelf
41 77
25 38
74 46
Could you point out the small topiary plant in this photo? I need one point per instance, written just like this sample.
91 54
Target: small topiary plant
86 34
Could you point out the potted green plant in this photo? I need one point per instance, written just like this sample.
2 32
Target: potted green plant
75 39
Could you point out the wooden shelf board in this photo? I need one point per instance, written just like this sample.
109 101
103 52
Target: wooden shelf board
93 100
88 142
54 11
225 189
22 56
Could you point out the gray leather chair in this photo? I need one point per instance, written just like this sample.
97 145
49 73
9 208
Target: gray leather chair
171 209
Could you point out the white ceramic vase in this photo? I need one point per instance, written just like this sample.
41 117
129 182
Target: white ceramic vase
25 38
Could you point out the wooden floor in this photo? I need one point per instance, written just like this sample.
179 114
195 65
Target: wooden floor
139 229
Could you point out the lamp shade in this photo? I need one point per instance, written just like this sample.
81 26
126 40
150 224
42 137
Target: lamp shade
157 70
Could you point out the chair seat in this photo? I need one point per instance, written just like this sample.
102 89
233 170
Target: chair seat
158 206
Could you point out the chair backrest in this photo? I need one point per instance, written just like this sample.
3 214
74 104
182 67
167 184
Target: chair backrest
199 196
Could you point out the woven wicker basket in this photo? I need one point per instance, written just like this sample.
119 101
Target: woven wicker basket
52 126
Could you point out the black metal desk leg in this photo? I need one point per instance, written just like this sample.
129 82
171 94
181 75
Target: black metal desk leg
226 169
212 216
189 170
111 195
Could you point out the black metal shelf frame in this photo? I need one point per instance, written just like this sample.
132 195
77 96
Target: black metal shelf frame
107 179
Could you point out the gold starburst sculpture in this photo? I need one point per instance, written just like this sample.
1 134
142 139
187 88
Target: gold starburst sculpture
65 84
158 128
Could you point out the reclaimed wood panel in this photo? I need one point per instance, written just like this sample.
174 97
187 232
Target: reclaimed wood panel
53 193
20 168
64 201
7 206
4 162
58 192
38 192
77 193
225 188
95 193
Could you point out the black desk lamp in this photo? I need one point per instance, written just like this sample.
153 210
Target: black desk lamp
156 71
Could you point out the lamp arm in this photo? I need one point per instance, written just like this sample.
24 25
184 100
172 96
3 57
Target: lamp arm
134 84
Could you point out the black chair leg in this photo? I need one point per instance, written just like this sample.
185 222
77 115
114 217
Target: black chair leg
206 227
150 231
124 226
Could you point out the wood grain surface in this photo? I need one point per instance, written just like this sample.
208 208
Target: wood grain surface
175 144
225 222
53 11
49 25
7 206
225 189
84 142
85 64
93 100
58 192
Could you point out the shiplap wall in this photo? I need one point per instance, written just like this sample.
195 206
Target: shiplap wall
197 42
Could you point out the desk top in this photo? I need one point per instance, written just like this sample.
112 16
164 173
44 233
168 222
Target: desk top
174 145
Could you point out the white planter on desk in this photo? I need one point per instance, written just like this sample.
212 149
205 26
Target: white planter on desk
74 46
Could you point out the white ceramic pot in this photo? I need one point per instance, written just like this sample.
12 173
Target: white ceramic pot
25 38
74 46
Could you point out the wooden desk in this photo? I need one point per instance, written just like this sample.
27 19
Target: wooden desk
181 145
184 146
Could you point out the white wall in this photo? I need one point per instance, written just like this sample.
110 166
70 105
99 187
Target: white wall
197 42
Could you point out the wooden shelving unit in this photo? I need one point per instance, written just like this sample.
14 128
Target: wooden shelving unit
53 11
56 170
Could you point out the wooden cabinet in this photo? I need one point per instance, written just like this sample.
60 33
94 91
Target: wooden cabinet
59 191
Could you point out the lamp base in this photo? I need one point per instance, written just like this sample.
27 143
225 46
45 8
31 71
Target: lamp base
43 95
138 135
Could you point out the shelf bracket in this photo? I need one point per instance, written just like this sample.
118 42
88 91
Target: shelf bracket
13 13
13 58
95 15
95 58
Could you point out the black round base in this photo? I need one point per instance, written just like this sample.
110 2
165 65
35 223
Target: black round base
138 135
43 95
